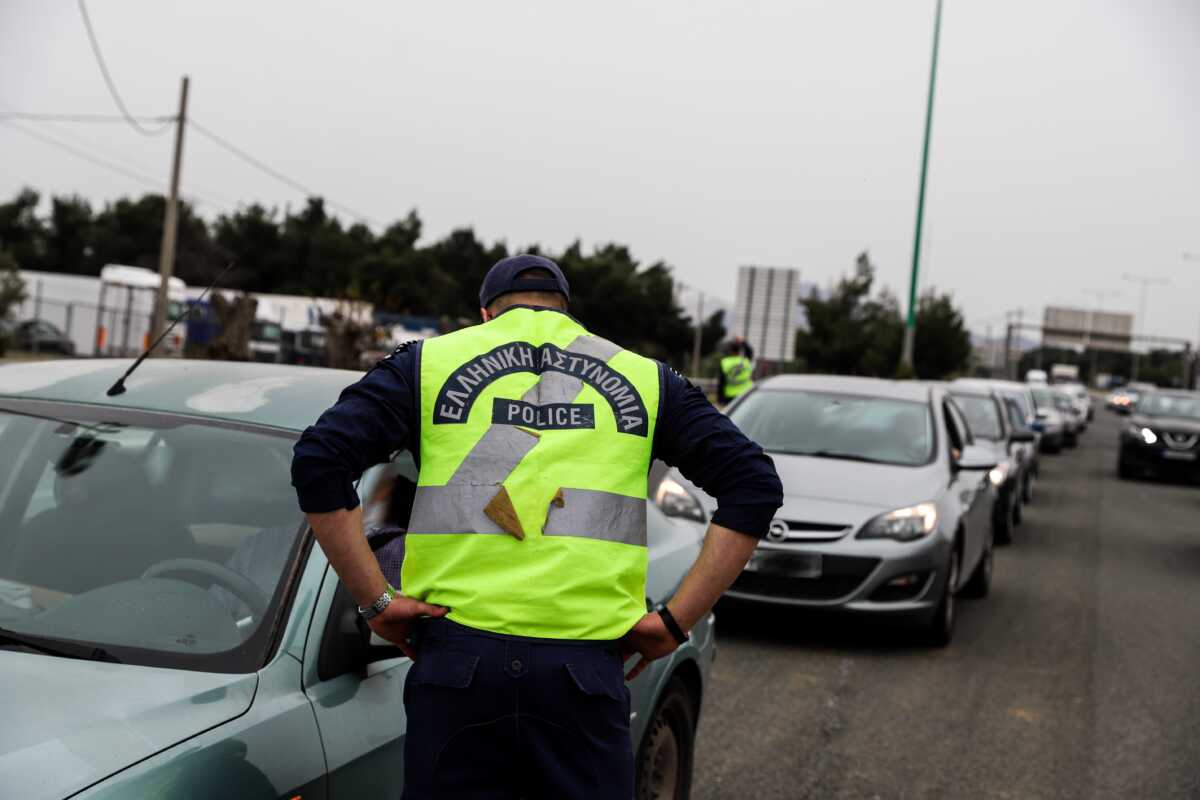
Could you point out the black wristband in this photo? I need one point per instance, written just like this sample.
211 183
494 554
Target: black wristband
669 620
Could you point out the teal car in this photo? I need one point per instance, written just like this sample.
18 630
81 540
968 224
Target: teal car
169 629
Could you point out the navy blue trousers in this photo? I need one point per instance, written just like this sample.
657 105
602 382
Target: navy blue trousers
494 716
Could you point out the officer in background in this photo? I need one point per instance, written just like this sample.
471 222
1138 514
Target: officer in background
737 371
525 562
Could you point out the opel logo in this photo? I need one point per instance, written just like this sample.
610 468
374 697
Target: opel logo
778 531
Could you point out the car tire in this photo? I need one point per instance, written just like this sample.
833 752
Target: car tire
663 767
1071 440
1027 489
1018 512
938 628
1124 470
981 579
1002 520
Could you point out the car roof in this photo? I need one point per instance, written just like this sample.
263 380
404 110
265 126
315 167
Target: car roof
847 384
276 395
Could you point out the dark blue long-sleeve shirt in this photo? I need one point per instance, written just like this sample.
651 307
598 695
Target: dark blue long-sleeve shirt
380 414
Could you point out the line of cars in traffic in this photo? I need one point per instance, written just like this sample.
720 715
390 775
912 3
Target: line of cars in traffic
897 492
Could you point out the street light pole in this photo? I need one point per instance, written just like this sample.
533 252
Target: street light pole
1145 283
910 326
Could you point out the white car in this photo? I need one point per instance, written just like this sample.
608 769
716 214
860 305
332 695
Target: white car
1080 397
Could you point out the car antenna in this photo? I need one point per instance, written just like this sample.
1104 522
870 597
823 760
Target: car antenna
119 387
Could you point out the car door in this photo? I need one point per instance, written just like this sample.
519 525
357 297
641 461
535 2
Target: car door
357 695
969 486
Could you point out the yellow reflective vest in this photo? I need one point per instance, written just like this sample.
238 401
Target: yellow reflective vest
738 373
530 511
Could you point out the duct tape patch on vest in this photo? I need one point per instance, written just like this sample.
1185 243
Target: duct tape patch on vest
463 387
550 417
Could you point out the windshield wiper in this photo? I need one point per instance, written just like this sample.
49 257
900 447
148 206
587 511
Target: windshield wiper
58 647
831 454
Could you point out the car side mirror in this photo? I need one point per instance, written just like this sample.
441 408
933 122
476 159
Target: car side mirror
974 457
346 641
1022 435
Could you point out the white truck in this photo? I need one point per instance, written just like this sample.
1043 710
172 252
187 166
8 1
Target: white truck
1064 373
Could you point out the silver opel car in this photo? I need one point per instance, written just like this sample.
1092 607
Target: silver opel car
888 504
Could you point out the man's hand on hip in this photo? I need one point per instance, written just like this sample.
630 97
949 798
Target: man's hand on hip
650 639
395 622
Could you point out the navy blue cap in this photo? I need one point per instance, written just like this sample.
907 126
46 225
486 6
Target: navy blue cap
505 277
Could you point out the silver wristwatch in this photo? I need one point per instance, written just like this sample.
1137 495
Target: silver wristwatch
381 602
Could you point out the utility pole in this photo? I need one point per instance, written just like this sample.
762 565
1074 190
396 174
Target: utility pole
1141 324
166 255
699 331
910 327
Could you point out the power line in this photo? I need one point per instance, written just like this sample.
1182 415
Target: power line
50 117
276 174
112 87
101 162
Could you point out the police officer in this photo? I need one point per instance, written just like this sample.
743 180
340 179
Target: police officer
522 591
737 371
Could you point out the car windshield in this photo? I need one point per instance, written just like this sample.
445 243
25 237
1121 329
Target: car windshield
162 541
1170 405
265 331
1043 399
982 415
838 426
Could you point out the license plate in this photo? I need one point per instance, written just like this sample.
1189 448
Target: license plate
788 565
1179 455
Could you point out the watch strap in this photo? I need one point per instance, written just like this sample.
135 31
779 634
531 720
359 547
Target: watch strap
672 626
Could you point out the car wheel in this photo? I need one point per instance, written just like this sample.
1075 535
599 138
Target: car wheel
1018 514
663 770
1071 440
981 579
1124 471
939 628
1027 490
1002 520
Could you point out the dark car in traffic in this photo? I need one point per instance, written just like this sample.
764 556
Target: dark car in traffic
1162 436
38 335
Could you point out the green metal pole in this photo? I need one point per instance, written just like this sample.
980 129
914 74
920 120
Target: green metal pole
910 326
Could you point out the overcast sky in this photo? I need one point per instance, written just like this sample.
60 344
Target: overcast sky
1065 152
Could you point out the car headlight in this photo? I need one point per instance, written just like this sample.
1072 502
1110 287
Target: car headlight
903 524
1148 436
998 474
676 501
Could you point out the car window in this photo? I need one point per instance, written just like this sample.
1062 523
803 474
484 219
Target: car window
983 415
835 425
956 427
166 543
1168 405
1016 417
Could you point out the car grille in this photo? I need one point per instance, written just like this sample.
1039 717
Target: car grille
801 531
840 576
1179 441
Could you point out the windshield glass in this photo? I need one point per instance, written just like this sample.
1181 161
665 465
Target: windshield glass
838 426
164 543
982 416
265 331
1170 405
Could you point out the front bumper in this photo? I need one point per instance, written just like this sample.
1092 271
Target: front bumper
1158 458
855 575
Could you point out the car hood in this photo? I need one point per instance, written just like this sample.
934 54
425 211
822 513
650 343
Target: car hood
1172 424
830 490
70 723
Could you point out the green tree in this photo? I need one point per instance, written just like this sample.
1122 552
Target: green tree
942 347
68 234
848 332
12 293
22 234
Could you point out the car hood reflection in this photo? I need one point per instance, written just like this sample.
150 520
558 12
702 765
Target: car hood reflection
77 722
851 487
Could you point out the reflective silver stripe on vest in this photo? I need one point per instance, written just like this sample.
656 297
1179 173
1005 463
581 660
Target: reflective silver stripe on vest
458 506
599 515
586 513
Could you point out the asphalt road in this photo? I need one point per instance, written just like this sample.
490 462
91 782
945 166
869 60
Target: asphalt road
1078 677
